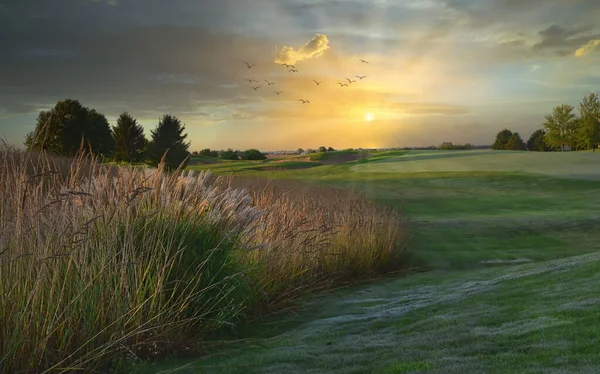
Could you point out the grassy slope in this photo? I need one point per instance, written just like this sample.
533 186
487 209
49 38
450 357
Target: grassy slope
450 320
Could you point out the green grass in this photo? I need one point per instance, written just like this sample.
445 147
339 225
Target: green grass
512 244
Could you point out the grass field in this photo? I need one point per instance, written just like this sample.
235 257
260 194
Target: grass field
511 242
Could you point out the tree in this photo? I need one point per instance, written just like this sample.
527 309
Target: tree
62 129
536 142
515 143
130 142
588 134
300 151
230 154
330 149
502 139
322 149
208 153
168 137
561 127
253 154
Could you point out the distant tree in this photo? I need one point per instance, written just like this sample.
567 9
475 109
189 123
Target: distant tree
300 151
515 143
130 142
502 139
330 149
588 134
561 127
168 136
230 154
309 150
253 154
446 146
195 154
322 149
62 129
208 153
536 142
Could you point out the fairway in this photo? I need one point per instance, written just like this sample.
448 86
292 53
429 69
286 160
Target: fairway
582 165
509 246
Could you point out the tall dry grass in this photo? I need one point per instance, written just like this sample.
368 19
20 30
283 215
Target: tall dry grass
99 263
95 262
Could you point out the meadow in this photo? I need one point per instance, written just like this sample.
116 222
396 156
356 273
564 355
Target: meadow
503 276
104 267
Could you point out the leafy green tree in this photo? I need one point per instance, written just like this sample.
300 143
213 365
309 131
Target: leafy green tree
168 136
588 134
300 151
330 149
253 154
515 143
322 149
208 153
130 142
536 142
230 154
561 127
502 139
62 129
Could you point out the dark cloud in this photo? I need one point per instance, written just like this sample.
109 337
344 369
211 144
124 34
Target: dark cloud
563 41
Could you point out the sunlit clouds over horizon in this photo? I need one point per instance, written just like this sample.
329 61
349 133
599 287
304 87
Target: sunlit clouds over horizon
432 70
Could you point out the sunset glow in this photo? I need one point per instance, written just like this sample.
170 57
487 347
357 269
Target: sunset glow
436 70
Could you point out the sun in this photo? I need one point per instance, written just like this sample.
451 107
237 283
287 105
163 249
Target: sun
369 117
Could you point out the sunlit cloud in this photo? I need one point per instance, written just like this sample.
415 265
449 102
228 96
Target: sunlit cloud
587 48
314 48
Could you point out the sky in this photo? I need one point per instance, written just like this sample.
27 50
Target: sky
438 70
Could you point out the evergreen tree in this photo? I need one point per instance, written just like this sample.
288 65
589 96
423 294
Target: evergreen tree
130 142
169 137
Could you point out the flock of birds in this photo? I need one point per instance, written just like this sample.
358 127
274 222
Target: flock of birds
294 70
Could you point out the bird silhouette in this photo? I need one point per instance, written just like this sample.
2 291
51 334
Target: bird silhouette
269 83
294 71
317 83
255 88
278 92
349 80
252 81
286 65
304 101
361 78
342 84
248 65
363 61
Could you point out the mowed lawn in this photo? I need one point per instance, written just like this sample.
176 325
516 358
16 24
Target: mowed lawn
512 259
582 165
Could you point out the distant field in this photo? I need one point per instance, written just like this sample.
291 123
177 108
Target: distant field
582 165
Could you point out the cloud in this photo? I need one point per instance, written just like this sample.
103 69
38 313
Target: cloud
562 40
314 48
587 47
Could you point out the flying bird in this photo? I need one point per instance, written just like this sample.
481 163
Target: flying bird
286 65
304 101
248 65
278 92
255 88
363 61
294 71
252 81
317 83
361 78
269 83
342 84
350 81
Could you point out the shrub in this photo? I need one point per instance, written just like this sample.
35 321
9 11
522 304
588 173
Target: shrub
253 154
98 262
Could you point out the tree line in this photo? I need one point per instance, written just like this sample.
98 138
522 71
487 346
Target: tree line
563 128
69 125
